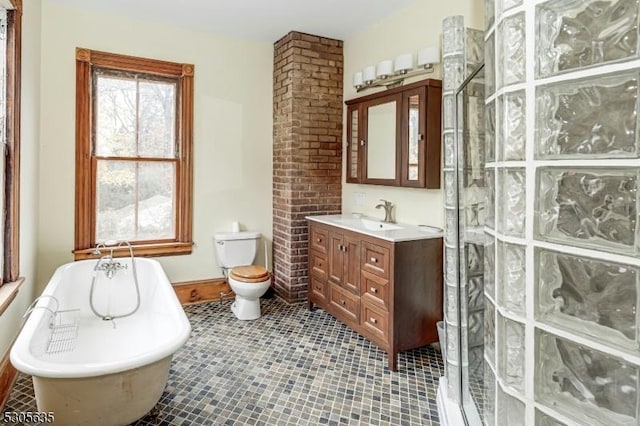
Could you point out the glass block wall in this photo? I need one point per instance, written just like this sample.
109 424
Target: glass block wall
463 52
562 327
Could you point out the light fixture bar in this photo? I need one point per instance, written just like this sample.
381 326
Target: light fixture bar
393 73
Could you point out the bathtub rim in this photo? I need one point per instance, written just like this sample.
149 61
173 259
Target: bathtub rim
24 361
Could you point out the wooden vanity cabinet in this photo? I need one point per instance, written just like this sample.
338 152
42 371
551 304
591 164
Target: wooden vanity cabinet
389 292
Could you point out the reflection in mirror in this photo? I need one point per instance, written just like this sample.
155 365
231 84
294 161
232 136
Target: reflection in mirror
353 145
414 136
381 141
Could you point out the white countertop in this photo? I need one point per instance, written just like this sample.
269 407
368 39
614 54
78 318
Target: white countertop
367 226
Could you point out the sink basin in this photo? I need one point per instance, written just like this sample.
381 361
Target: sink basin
377 228
374 225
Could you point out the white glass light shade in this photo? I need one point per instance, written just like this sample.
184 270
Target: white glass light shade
357 79
369 73
384 69
403 62
428 55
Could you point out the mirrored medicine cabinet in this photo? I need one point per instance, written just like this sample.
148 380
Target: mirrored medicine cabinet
394 138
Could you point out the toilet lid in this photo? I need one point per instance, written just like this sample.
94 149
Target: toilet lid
249 274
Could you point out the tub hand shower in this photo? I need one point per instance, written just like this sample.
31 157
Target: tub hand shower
110 270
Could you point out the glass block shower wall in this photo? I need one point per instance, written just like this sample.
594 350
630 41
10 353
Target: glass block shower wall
562 96
463 52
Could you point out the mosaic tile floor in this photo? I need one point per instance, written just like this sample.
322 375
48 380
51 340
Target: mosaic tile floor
290 367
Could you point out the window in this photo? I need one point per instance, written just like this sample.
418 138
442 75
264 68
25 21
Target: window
10 36
134 120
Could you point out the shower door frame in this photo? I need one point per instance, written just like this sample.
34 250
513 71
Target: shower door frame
469 413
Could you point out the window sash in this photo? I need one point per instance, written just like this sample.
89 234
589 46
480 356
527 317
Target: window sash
137 78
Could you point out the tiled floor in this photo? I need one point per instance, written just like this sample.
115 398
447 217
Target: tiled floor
290 367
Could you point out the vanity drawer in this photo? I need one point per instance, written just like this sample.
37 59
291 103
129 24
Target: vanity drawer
345 302
375 321
318 264
318 289
375 259
376 288
319 239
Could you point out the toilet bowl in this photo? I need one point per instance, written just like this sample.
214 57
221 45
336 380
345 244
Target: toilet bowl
249 283
236 252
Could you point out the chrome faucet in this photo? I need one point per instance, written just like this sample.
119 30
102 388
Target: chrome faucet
107 263
109 266
388 211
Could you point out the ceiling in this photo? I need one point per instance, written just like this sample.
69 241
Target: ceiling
265 20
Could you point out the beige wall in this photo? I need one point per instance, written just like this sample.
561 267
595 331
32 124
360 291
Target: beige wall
416 26
11 319
233 129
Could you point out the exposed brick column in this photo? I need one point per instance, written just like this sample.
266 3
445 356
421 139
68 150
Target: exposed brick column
307 150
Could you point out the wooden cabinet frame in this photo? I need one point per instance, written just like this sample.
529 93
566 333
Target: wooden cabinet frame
430 100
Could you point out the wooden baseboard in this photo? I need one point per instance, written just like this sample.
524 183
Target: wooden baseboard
201 291
8 375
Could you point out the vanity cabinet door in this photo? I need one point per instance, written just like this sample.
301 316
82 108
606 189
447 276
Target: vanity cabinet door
344 261
352 264
336 258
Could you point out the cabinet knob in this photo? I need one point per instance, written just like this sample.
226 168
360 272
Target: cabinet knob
362 142
373 320
343 302
374 290
374 260
318 240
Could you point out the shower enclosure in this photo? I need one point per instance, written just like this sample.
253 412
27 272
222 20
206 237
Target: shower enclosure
465 184
562 242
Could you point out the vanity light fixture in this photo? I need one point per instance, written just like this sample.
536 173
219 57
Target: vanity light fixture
393 73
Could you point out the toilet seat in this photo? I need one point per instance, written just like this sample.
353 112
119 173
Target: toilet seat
249 274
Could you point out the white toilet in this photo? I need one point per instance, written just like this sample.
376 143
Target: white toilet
236 252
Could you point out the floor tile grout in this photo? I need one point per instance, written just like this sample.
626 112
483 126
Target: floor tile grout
291 366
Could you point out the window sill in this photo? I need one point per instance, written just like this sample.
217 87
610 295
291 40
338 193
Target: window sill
8 292
142 250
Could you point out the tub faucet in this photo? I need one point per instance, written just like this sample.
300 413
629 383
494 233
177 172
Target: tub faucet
388 210
109 266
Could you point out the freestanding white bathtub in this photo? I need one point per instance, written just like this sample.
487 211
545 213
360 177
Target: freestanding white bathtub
88 370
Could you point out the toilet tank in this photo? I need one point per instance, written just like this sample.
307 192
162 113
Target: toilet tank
236 248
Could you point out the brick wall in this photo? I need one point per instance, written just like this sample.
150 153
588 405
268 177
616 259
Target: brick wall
307 150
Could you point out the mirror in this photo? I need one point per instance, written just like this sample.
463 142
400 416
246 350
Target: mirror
381 141
414 138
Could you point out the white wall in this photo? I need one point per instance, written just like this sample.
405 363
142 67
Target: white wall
11 319
232 129
416 26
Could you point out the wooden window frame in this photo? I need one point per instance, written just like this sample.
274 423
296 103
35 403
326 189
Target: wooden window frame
11 218
86 61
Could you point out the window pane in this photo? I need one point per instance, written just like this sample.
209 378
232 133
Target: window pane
135 200
115 116
157 113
